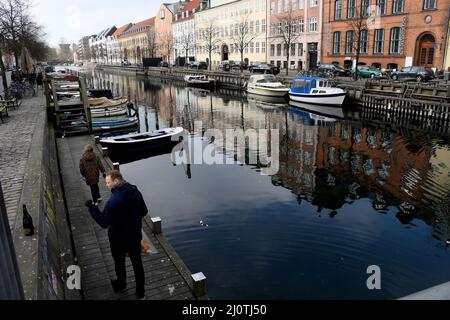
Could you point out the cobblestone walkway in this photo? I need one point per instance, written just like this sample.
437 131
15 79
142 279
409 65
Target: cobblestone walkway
16 134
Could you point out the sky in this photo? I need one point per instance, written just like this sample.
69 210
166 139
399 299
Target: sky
72 19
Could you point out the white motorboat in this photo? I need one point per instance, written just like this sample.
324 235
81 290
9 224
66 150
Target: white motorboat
266 85
201 81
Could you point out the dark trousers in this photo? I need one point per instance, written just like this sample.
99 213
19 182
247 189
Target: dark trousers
95 191
119 254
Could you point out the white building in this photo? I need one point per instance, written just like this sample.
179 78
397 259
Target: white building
113 46
99 49
184 32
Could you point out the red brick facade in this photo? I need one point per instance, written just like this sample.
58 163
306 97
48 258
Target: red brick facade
419 25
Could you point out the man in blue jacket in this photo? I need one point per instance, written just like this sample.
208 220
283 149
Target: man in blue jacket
122 217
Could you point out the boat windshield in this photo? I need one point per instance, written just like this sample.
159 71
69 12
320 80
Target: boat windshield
267 79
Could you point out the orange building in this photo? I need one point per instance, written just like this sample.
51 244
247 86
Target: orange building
396 33
163 29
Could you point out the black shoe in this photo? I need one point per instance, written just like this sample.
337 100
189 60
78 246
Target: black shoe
140 296
117 288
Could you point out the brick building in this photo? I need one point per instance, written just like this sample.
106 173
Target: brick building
399 33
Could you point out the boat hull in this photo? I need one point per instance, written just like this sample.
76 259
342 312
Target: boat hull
205 85
267 92
116 145
324 100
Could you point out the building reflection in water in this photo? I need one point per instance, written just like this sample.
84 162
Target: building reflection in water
327 162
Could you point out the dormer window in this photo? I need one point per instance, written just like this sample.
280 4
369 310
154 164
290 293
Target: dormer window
162 14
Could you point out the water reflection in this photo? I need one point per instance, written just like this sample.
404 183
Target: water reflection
348 194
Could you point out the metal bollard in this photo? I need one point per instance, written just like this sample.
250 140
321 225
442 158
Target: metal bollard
105 152
199 284
97 139
157 225
116 166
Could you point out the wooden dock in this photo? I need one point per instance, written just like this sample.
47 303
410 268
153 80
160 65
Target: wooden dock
167 278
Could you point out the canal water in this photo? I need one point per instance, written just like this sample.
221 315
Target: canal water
349 194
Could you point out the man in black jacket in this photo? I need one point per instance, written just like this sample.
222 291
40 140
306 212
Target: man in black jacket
122 217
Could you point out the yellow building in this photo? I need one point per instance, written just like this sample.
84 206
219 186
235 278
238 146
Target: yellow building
134 43
225 18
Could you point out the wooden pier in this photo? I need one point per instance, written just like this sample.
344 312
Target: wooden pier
167 278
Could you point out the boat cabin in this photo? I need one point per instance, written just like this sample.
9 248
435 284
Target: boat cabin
311 85
263 78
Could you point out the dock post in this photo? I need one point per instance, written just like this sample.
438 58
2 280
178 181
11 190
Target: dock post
97 139
199 284
157 225
105 152
116 166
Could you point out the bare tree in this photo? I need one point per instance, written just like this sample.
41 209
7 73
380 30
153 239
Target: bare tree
16 26
242 36
357 26
186 41
285 26
166 45
151 42
210 39
3 69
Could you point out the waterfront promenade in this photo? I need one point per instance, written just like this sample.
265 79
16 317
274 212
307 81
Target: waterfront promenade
16 135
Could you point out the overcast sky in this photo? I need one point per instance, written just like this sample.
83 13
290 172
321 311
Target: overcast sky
73 19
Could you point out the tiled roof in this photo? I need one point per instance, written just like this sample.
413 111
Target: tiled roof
122 29
136 27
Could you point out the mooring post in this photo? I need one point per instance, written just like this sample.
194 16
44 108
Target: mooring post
105 152
97 139
157 225
199 284
116 166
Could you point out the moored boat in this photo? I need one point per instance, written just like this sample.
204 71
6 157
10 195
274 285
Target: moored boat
114 123
201 81
101 103
266 85
109 112
315 90
143 141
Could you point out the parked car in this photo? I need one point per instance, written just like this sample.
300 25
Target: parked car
199 65
414 73
239 65
253 64
163 64
368 72
265 68
225 65
336 69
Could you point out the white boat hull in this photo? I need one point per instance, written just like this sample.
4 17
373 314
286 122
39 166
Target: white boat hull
324 100
268 92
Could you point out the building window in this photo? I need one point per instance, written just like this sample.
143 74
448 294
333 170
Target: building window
351 8
263 48
252 47
272 30
285 50
397 6
349 39
286 5
313 3
337 42
251 27
278 50
300 4
294 5
280 30
257 48
263 25
365 8
272 9
292 49
429 4
381 7
294 26
301 26
378 41
280 6
257 26
300 49
313 24
395 40
364 41
338 10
